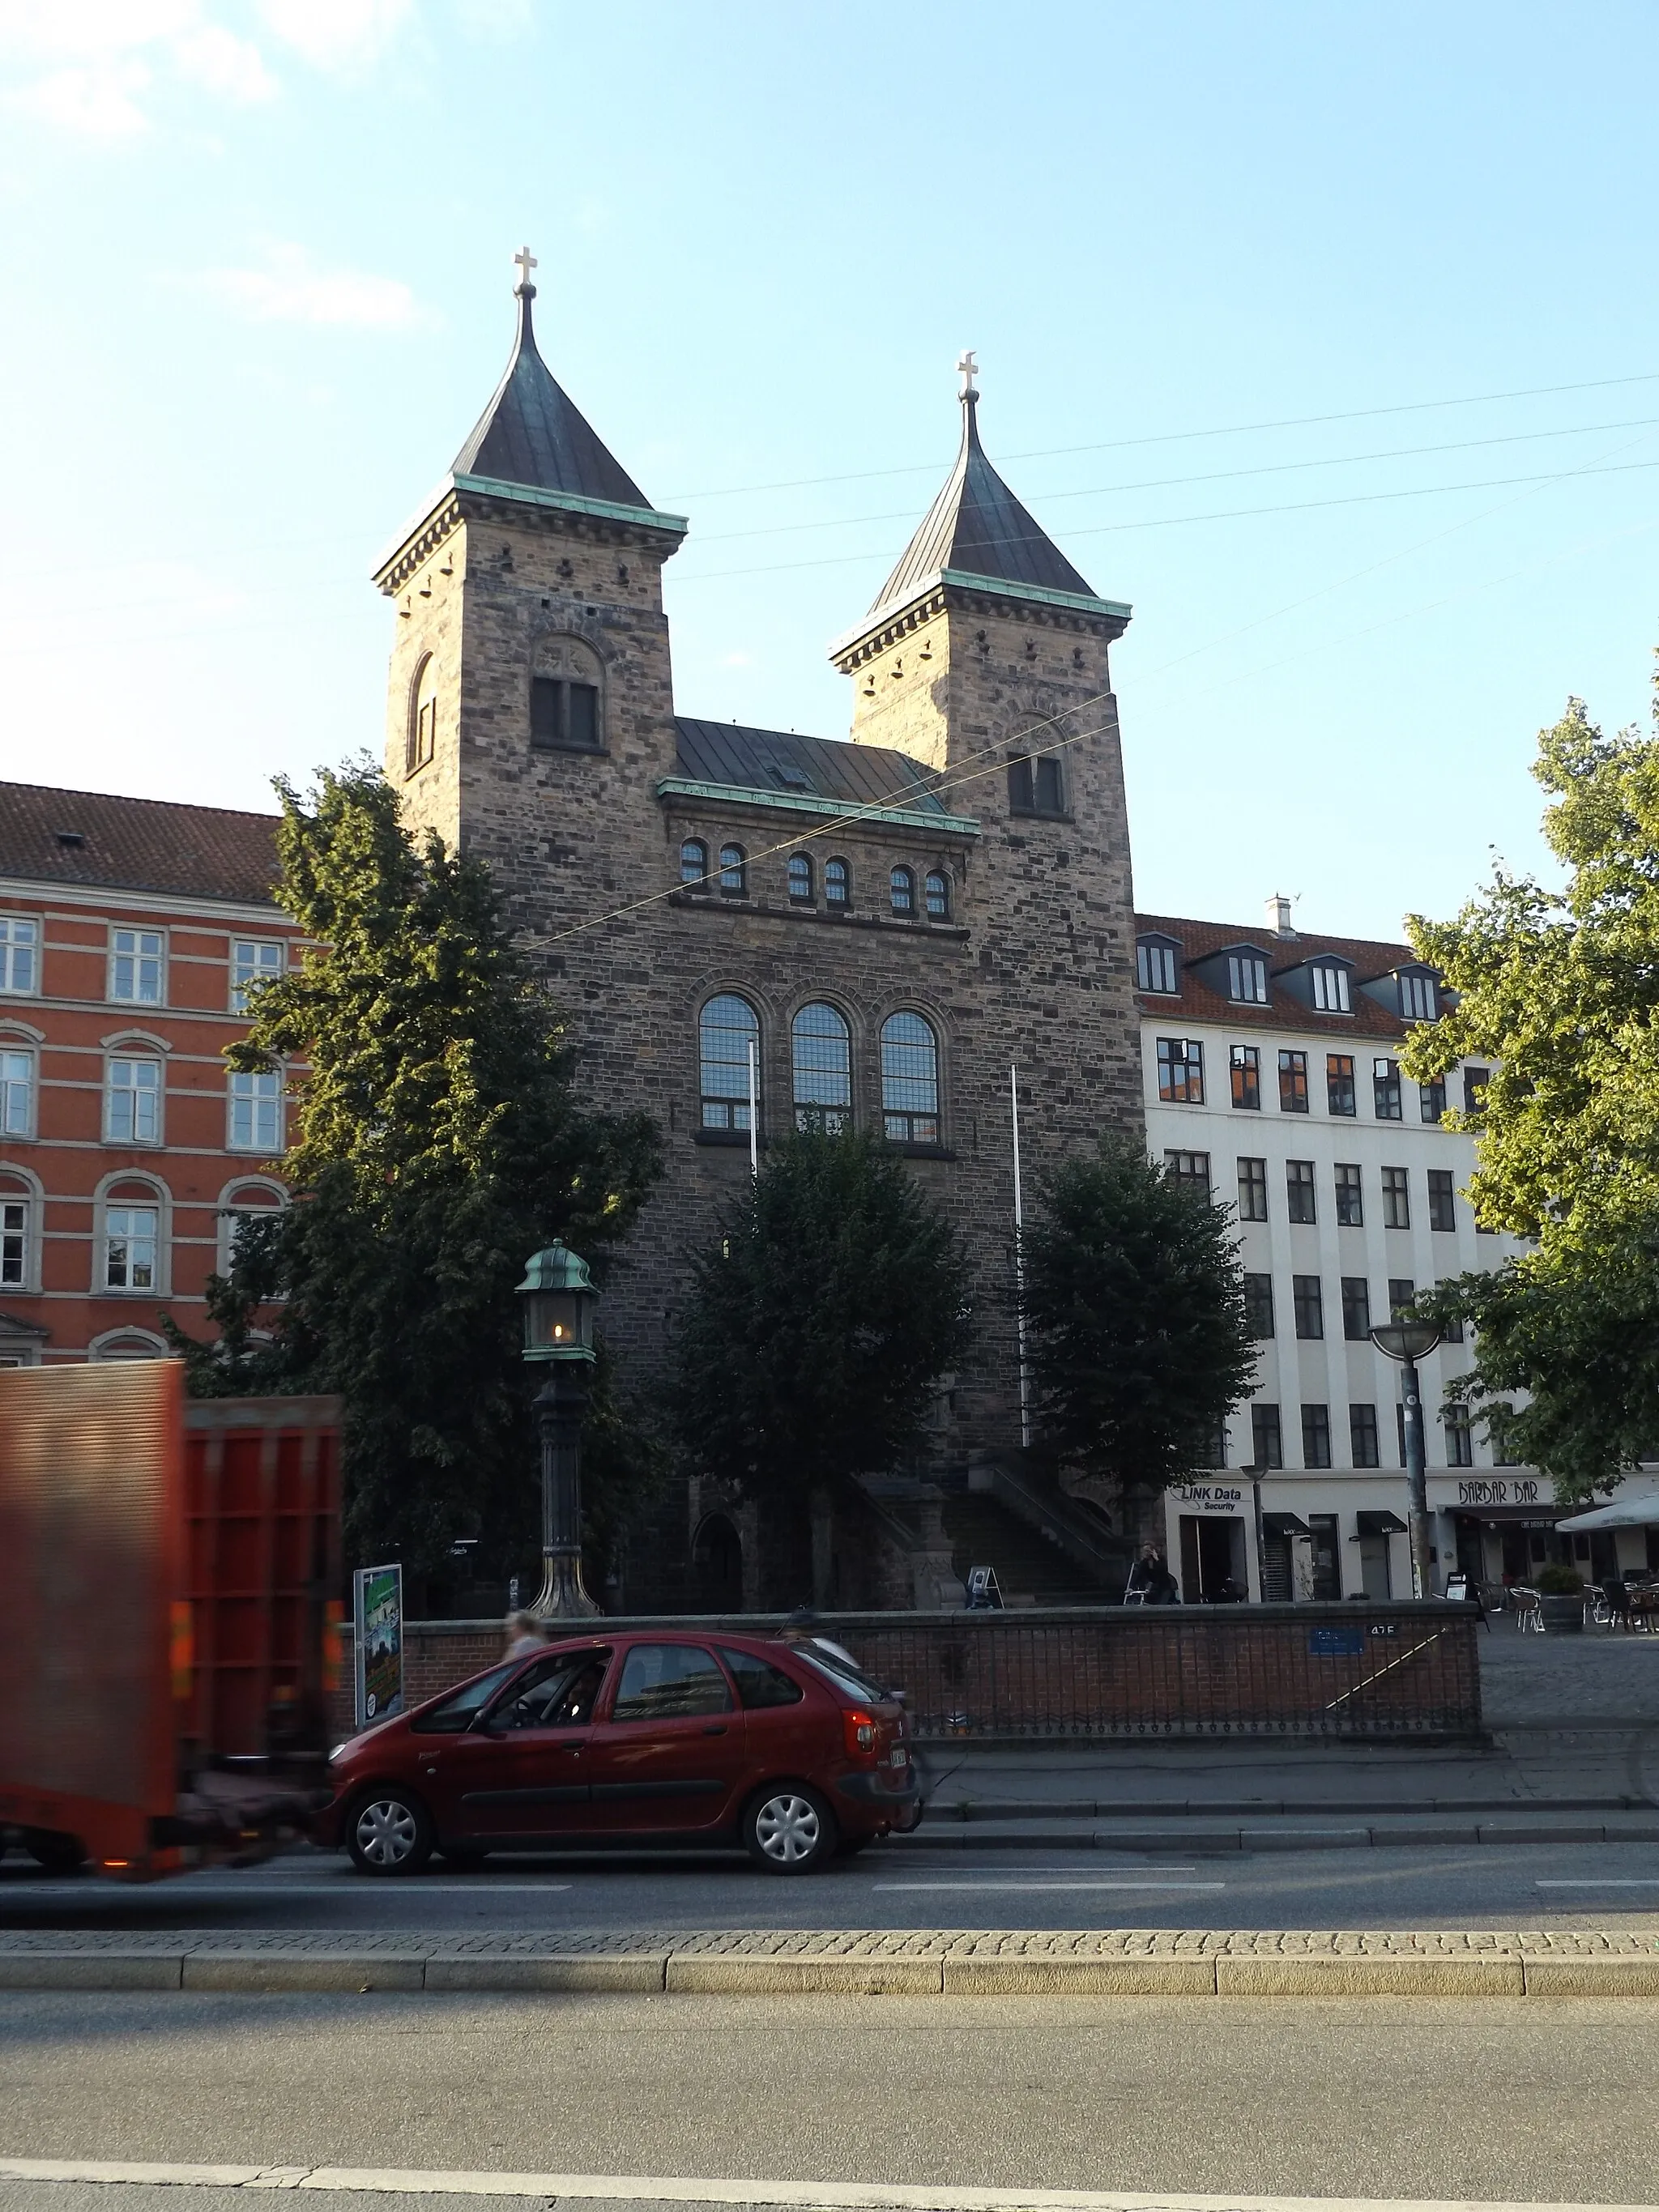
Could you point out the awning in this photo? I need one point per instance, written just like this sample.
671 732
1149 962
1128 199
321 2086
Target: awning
1283 1524
1623 1513
1379 1524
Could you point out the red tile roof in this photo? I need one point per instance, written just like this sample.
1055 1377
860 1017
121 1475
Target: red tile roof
1284 1011
135 844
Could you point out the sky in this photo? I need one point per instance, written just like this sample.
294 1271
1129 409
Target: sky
1327 337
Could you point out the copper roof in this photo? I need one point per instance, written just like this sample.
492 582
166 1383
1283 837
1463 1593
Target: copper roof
94 838
531 433
978 527
1198 1002
826 768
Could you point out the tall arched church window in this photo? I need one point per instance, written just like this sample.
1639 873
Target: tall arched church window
937 888
693 864
837 883
909 1080
421 741
823 1070
727 1027
902 890
734 871
800 879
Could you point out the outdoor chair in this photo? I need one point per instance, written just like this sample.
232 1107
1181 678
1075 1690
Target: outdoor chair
1528 1610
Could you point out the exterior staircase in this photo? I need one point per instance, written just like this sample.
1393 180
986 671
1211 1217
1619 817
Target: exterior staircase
1031 1568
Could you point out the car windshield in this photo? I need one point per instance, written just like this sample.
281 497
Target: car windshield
454 1715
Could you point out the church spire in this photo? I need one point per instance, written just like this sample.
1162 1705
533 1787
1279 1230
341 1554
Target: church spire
977 529
530 436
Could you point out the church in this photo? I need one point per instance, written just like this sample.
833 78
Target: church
870 932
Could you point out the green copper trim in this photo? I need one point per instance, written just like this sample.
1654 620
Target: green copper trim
1037 592
789 802
573 503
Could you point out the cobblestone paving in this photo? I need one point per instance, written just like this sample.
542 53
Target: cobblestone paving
857 1943
1595 1677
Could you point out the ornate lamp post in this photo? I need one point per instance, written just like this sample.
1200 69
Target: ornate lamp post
558 1329
1408 1341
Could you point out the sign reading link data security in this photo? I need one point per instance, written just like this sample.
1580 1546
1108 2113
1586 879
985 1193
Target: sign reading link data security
1209 1496
378 1618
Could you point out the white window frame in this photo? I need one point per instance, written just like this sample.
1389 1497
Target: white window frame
135 1056
1243 968
262 971
123 1219
27 1049
253 1099
9 949
1418 983
117 932
228 1212
155 1194
1155 956
23 1204
104 1346
1330 987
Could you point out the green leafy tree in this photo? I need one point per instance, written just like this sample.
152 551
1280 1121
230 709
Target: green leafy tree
819 1322
436 1143
1558 992
1137 1336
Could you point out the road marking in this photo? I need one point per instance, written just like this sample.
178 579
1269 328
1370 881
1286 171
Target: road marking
1601 1881
1038 1888
343 1886
674 2189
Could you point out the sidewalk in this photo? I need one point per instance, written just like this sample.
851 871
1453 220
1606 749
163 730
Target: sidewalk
918 1962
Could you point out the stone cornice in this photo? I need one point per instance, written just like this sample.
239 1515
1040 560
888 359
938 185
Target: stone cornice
444 510
1067 610
853 814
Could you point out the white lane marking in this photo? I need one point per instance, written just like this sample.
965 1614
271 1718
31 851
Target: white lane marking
1601 1881
1037 1889
345 1886
675 2188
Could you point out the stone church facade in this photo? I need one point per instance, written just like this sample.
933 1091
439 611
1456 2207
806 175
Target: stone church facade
893 923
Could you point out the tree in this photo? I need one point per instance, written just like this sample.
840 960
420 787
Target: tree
1558 992
1137 1337
437 1142
818 1322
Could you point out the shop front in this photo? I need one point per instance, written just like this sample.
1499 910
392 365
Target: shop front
1209 1540
1503 1527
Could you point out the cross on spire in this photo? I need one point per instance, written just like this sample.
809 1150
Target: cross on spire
968 370
524 261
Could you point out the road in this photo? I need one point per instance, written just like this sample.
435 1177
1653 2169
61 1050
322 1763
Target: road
1377 2097
1469 1886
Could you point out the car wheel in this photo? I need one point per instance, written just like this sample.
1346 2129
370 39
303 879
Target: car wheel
789 1829
389 1831
58 1854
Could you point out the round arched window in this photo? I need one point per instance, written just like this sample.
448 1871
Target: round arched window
421 742
822 1052
728 1051
909 1080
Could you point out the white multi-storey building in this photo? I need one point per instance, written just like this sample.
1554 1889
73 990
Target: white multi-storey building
1272 1079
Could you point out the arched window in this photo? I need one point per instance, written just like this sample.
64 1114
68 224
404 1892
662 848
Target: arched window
239 1203
565 696
909 1080
127 1344
130 1236
823 1070
693 864
837 883
800 879
1034 785
421 742
937 888
902 890
734 871
726 1029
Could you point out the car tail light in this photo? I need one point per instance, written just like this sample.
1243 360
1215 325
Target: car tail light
860 1728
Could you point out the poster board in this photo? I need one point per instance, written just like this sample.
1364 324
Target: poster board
376 1603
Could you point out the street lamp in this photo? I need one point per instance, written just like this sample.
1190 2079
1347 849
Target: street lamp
558 1331
1408 1341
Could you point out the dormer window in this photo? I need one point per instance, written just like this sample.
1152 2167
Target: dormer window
1420 997
1247 979
1329 982
1155 964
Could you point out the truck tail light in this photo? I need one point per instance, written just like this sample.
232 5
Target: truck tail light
860 1731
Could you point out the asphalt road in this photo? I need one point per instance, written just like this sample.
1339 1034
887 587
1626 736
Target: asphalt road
1469 1886
1377 2097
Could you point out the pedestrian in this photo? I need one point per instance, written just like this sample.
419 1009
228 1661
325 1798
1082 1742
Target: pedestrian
1150 1575
524 1635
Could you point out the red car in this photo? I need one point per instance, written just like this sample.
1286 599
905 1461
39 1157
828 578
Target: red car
636 1741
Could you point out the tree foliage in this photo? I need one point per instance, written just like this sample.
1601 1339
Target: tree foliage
437 1143
1137 1337
1557 992
819 1321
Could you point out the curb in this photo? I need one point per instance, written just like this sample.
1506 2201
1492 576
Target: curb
951 1833
1191 1964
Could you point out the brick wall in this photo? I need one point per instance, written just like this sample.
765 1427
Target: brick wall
1309 1671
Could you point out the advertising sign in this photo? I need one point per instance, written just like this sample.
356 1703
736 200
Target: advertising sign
378 1618
1209 1497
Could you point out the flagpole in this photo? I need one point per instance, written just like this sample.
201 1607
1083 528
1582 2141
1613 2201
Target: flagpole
1019 1271
754 1112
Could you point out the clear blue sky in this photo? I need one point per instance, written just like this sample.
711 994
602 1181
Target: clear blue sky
255 289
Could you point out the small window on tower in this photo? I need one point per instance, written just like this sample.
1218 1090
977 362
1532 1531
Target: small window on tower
564 716
1036 786
421 741
837 883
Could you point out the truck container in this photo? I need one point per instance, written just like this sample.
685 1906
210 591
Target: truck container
168 1617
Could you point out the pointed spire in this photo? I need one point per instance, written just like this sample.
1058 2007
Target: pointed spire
976 527
530 434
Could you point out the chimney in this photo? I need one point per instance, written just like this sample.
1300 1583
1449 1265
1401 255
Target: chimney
1279 915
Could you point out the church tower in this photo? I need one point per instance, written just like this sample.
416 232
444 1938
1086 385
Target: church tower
530 701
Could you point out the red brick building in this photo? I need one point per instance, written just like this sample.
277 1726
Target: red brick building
130 933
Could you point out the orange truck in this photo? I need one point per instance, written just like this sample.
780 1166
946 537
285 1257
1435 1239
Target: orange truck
169 1626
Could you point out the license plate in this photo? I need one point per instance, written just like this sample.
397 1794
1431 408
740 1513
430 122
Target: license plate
898 1756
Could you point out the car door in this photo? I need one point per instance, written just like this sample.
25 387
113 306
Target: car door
668 1756
521 1775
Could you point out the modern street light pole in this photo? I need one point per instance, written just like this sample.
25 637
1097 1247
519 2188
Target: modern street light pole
558 1331
1408 1341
